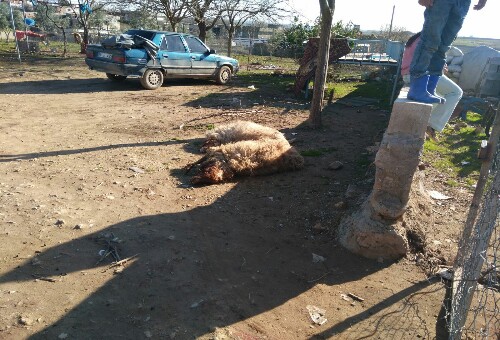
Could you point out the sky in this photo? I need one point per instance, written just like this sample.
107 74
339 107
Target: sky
374 14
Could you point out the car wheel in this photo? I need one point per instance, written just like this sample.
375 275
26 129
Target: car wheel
116 77
152 79
224 75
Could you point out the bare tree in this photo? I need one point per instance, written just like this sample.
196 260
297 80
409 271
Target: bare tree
82 11
205 13
96 22
235 13
140 13
395 33
175 11
327 9
59 22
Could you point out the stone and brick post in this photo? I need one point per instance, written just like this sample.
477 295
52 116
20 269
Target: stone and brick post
373 231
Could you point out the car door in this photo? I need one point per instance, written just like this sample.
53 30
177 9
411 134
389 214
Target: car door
175 58
203 64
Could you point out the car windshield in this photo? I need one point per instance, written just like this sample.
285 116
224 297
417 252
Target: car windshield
145 34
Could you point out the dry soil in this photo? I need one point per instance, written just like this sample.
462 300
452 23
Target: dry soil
88 165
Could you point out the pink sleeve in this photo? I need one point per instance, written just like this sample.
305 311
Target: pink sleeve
407 57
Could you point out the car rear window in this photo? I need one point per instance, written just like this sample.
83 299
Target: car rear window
145 34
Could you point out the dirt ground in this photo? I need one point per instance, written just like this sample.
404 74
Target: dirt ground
86 163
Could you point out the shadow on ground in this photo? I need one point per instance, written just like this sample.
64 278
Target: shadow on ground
217 264
209 267
250 92
69 86
247 267
11 158
90 85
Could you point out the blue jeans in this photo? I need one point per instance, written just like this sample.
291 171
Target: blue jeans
442 23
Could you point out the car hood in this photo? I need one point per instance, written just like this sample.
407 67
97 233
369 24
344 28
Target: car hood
225 59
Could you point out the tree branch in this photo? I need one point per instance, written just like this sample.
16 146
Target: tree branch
327 8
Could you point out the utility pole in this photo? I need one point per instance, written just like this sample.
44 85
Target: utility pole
392 18
15 36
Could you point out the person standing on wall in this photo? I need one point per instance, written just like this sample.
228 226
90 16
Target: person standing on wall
443 21
446 87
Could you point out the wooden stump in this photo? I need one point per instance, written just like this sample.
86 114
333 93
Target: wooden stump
373 231
339 47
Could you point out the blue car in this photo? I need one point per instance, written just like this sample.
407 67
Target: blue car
153 56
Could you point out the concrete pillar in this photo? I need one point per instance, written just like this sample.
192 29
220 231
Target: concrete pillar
373 231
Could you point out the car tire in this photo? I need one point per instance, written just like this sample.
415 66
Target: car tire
224 75
152 79
115 77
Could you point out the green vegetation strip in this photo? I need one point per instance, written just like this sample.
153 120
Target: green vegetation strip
455 153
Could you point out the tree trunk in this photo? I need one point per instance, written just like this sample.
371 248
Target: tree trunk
327 10
202 27
65 43
174 26
230 42
85 40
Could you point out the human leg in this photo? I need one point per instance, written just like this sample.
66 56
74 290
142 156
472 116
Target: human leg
418 91
449 32
442 113
431 87
436 18
452 27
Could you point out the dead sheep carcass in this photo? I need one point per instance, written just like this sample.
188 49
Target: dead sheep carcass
244 149
239 131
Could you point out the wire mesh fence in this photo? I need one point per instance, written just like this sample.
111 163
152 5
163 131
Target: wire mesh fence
473 310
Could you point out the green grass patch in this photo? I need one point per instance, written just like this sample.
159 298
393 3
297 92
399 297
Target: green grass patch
57 47
474 118
472 180
341 90
455 154
380 90
344 81
473 42
265 81
7 46
249 62
51 49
